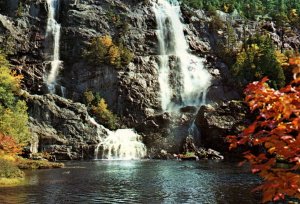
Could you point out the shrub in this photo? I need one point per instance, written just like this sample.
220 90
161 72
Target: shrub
258 60
104 115
102 50
13 112
9 170
37 164
100 110
8 145
89 97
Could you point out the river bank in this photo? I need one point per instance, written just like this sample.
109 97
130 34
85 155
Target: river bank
11 169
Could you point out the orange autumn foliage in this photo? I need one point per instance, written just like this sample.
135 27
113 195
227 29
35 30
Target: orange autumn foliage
276 132
8 145
295 63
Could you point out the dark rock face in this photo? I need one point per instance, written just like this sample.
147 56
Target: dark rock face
22 36
217 121
129 90
62 127
166 132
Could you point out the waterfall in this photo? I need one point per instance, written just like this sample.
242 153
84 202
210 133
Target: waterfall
193 76
53 30
122 144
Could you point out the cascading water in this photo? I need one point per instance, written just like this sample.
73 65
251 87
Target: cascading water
53 30
122 144
195 79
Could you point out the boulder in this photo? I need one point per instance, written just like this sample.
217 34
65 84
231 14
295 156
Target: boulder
217 121
199 153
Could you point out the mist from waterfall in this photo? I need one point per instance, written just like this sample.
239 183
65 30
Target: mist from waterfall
194 78
53 30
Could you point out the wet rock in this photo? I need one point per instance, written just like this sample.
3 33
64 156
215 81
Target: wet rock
163 154
188 109
217 121
200 153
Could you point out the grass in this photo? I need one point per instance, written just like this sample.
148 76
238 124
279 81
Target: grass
10 181
37 164
10 174
10 168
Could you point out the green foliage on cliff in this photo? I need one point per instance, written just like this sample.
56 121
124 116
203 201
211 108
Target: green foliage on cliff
257 60
100 110
13 112
250 9
102 50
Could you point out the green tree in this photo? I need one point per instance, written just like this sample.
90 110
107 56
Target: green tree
258 60
13 112
104 115
102 50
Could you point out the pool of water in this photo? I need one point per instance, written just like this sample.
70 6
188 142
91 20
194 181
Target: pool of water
146 181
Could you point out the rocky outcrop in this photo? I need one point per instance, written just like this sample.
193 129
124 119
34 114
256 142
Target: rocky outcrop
22 37
63 128
199 152
129 90
166 133
217 121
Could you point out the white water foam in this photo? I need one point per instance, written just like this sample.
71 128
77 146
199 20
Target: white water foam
195 79
53 29
122 144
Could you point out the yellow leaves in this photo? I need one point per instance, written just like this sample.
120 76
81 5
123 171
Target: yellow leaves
294 60
103 50
104 115
226 8
272 150
102 106
282 59
89 97
7 157
254 47
106 41
114 54
293 13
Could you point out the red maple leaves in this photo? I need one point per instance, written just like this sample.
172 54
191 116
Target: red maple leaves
276 133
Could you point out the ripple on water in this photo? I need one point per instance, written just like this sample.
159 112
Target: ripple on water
136 182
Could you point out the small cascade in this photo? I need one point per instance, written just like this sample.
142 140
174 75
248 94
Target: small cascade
122 144
193 78
53 30
195 133
63 91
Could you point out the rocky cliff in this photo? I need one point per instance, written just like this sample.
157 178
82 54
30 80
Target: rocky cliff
131 91
62 127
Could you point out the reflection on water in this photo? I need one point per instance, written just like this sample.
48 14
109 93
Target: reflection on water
136 182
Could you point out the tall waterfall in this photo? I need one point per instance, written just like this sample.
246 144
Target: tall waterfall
53 30
122 144
193 76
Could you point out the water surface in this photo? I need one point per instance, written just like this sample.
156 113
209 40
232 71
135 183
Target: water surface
136 182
